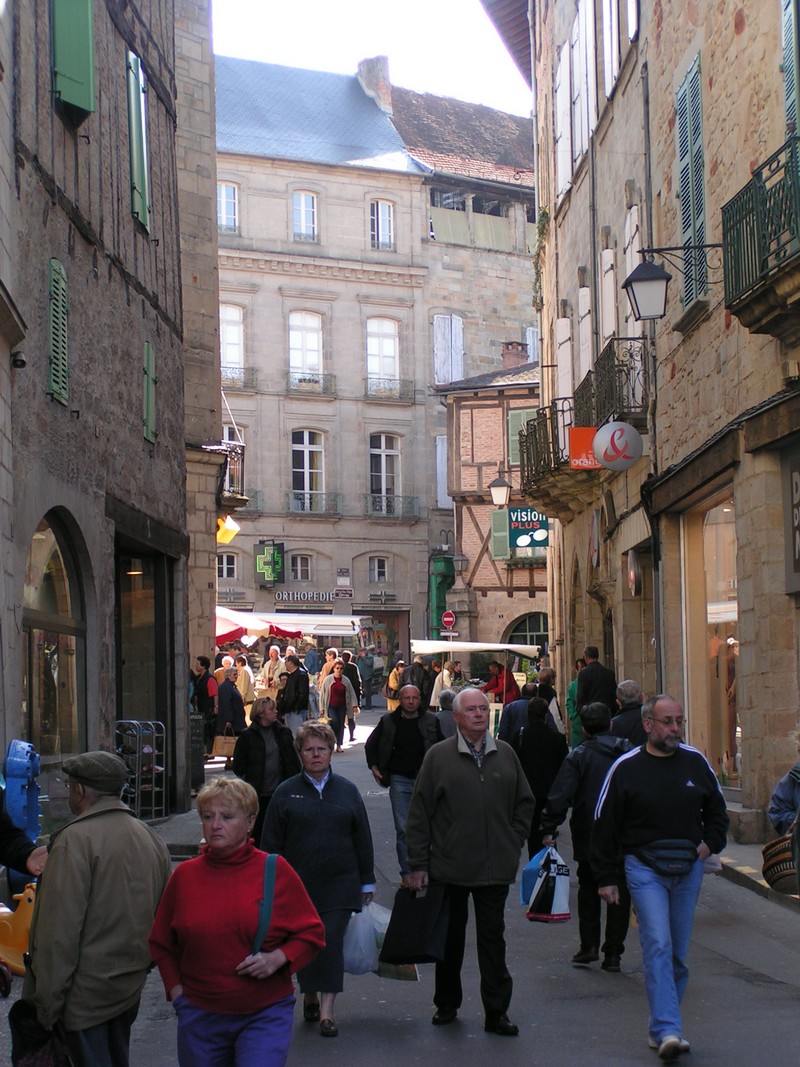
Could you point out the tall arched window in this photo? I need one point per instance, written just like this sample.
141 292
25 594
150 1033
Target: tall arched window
308 471
384 473
383 349
54 630
531 630
305 342
231 337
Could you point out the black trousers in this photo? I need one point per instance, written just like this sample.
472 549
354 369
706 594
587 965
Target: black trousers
489 902
104 1045
589 913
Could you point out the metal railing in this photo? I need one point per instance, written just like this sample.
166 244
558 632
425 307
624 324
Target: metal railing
232 471
398 389
584 402
388 506
313 383
544 441
761 224
302 503
620 377
235 377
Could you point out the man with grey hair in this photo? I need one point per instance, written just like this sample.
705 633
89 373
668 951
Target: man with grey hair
628 720
94 908
231 705
470 814
447 724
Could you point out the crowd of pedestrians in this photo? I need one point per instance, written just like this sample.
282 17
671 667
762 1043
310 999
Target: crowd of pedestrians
229 928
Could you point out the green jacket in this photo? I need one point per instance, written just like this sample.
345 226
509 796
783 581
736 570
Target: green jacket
466 825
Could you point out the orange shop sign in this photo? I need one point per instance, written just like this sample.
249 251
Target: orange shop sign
581 453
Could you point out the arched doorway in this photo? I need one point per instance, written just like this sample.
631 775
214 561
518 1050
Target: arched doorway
54 636
531 630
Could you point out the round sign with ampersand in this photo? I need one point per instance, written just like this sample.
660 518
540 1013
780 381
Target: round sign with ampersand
617 446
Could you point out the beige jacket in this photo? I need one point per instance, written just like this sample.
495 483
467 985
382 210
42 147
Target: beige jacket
94 908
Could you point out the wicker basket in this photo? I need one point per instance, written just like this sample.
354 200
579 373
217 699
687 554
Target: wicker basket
778 868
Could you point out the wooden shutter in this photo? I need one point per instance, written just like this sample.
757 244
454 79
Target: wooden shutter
149 394
442 499
790 63
563 357
58 313
608 294
584 332
563 145
448 349
72 29
532 341
516 422
499 542
137 131
691 181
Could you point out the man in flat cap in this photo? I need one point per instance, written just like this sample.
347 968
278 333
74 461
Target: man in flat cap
88 939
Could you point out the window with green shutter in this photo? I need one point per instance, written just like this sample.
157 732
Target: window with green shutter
516 422
691 183
500 546
72 29
58 313
790 63
137 131
149 395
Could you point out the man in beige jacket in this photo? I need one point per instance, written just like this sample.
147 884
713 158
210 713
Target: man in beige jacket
94 908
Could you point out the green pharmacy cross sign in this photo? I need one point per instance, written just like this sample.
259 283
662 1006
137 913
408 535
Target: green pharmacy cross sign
268 561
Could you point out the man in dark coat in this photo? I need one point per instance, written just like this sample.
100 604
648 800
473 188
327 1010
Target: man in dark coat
265 756
541 752
628 720
294 705
578 786
596 683
230 703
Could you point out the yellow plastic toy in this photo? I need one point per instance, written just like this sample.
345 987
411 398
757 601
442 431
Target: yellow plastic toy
14 927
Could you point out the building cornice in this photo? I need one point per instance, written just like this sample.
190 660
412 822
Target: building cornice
336 269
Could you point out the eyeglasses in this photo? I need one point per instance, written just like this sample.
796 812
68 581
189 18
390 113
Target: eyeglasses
670 721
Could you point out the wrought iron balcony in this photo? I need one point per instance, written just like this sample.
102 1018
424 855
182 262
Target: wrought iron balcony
399 390
311 383
761 247
584 402
388 506
620 376
235 377
311 503
545 475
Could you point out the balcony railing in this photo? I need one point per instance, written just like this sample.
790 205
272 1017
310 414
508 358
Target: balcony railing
235 377
312 383
761 224
302 503
388 506
231 484
620 376
585 414
544 441
393 389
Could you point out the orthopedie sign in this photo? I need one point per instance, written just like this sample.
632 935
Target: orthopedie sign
527 528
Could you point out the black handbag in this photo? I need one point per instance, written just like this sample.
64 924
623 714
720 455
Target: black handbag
669 857
417 930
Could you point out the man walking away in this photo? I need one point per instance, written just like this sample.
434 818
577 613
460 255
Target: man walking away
595 682
628 720
93 912
662 810
577 786
469 818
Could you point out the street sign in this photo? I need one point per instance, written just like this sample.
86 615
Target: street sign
340 593
448 633
448 620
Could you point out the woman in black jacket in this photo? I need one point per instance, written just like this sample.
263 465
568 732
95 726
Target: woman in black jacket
265 756
541 752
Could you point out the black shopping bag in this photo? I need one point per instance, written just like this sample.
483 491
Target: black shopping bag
418 927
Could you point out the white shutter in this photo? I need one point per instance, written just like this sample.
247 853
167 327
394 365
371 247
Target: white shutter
608 295
456 348
448 349
442 499
610 44
563 357
563 145
632 246
532 341
589 48
584 332
578 91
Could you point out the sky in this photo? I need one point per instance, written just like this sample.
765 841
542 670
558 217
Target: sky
445 47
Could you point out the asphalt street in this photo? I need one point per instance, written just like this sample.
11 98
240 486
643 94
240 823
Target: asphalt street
741 1006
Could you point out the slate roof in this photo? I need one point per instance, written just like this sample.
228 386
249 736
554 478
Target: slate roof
311 116
456 137
524 374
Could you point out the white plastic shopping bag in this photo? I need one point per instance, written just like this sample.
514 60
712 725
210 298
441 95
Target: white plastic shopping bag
549 895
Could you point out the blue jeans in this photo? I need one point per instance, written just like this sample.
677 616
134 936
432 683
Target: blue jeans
400 790
665 912
208 1039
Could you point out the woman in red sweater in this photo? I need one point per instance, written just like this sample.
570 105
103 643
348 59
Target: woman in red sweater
202 940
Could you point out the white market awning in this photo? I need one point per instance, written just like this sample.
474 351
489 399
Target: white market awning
433 648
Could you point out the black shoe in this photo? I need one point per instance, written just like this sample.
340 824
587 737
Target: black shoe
585 957
502 1025
611 962
443 1016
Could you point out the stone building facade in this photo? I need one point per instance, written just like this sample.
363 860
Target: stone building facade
675 129
93 475
356 273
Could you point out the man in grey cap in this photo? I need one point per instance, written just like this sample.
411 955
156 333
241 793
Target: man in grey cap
88 939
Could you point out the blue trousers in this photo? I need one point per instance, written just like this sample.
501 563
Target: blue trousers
259 1039
665 912
400 790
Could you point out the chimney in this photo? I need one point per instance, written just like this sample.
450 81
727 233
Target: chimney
373 74
514 354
